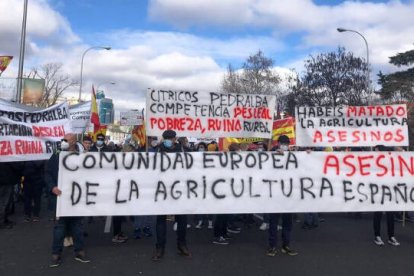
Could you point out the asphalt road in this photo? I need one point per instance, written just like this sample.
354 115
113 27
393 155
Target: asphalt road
342 245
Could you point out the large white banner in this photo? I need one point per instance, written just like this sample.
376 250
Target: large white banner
352 126
209 114
103 184
80 115
28 133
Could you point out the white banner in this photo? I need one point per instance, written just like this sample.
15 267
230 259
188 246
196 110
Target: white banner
28 133
132 118
352 126
209 114
80 115
104 184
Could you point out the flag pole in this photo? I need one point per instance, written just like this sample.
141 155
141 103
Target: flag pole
21 57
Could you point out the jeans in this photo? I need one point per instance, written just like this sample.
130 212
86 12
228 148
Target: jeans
390 223
64 224
161 229
286 229
220 226
5 192
117 224
32 198
311 219
143 221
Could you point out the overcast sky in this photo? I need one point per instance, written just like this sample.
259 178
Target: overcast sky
187 44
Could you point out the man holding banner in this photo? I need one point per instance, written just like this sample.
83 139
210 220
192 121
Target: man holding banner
63 224
169 144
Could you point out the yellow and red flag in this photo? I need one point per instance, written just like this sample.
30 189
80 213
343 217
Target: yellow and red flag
95 123
284 127
4 62
138 134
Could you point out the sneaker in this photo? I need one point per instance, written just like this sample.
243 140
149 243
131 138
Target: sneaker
147 232
378 241
118 239
183 250
56 261
122 236
264 226
36 219
67 242
233 229
210 224
80 257
27 219
288 251
227 236
271 252
158 255
175 226
188 226
199 225
137 233
393 241
221 241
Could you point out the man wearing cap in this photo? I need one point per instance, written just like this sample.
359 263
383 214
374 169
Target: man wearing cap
287 219
169 144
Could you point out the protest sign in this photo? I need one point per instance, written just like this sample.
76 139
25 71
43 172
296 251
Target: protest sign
139 183
352 126
28 133
132 118
80 116
209 114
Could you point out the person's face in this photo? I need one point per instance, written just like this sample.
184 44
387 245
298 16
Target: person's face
87 144
71 140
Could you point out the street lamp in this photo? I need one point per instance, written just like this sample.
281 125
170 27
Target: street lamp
83 56
341 30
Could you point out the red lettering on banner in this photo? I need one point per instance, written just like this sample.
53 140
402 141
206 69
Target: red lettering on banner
317 136
5 148
376 111
356 136
28 147
227 125
368 164
252 113
56 131
179 124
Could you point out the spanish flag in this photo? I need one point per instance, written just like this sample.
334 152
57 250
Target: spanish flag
284 127
95 123
138 134
4 62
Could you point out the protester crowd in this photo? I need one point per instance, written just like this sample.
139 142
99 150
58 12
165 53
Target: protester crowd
33 180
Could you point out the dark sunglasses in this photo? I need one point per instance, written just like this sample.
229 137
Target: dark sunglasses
64 140
100 139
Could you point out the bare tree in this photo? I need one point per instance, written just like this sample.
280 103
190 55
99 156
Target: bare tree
56 82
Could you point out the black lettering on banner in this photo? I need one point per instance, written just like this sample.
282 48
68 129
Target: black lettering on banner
112 158
361 185
65 165
234 191
191 187
143 159
208 160
326 185
213 189
251 188
118 186
403 194
88 184
304 189
270 185
85 161
386 191
72 196
174 193
133 189
282 182
412 195
124 160
178 160
291 158
346 190
161 189
204 187
164 166
374 190
252 163
263 157
235 162
276 156
188 160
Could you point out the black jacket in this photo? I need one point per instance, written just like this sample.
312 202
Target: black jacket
10 172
